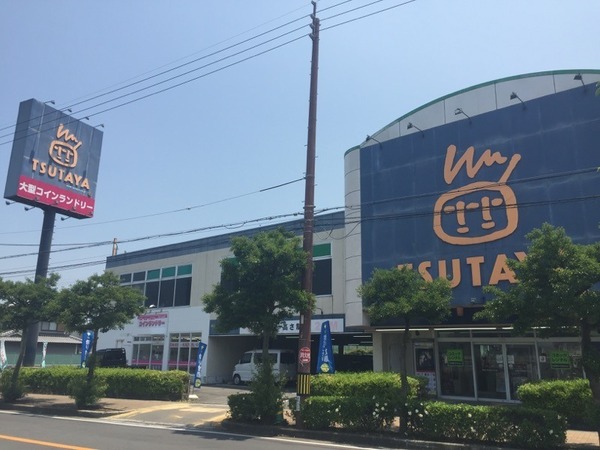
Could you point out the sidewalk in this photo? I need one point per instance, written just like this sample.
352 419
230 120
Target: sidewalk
199 414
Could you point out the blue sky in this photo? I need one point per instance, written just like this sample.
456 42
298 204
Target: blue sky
212 144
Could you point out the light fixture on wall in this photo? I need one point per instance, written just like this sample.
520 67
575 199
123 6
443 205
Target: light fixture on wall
514 95
578 77
459 111
410 125
371 138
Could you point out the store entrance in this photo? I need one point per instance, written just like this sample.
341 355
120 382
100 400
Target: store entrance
501 368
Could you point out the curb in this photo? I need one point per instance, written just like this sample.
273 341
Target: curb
345 437
53 411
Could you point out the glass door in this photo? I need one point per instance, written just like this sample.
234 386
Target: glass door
489 371
522 367
501 368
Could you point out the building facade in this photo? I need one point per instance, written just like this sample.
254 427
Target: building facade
449 189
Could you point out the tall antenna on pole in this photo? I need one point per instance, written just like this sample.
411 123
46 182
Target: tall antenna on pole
304 344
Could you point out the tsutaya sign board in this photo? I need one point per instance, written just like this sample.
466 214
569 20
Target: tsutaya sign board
54 161
458 199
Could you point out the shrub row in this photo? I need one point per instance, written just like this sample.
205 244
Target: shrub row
515 426
569 398
120 383
438 421
366 384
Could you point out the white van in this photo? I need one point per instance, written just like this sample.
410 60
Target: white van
284 363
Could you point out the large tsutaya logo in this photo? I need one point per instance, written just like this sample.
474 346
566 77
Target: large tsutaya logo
479 212
64 152
494 198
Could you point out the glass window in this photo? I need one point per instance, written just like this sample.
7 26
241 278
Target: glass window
168 272
139 286
184 270
456 369
320 250
167 288
322 277
153 274
48 326
152 293
559 360
125 278
139 276
183 291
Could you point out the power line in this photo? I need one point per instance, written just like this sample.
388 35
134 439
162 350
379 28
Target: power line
345 222
185 209
207 65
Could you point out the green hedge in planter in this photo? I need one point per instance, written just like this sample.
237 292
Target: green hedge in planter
121 383
515 426
366 384
569 398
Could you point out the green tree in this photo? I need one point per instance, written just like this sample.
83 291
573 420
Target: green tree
259 288
401 293
99 304
23 304
556 290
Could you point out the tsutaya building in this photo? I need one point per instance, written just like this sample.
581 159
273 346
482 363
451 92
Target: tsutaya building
450 189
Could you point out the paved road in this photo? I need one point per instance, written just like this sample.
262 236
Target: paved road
20 431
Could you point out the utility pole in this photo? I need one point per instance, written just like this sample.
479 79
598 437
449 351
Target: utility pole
304 344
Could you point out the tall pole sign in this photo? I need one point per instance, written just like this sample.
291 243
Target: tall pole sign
53 166
304 344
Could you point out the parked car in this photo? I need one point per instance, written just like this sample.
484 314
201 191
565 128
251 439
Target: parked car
111 357
284 364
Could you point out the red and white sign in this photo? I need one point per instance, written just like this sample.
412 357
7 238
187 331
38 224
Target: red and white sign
153 323
304 355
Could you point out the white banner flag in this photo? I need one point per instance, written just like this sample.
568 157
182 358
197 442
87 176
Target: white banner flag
2 355
44 349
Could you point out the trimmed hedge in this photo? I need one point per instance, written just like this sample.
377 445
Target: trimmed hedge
356 413
121 383
366 384
569 398
370 402
505 425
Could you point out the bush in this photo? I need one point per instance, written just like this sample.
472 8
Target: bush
242 407
264 404
10 393
516 426
356 413
51 380
86 393
569 398
366 384
121 383
363 401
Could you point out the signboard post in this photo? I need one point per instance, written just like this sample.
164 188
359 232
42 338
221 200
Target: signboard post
53 166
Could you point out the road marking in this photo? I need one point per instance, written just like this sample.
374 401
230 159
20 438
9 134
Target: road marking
44 443
213 419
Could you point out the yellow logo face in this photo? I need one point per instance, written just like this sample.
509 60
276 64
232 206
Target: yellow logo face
63 150
481 211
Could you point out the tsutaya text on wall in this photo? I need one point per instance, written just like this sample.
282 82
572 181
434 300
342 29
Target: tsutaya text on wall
476 213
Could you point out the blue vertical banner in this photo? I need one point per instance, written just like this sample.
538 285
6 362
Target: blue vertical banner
86 346
325 362
197 379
